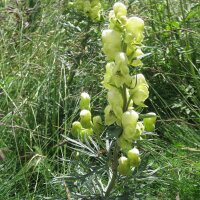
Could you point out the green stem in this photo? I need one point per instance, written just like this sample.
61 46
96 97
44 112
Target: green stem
112 181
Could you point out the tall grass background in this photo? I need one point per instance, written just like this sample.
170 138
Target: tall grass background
50 54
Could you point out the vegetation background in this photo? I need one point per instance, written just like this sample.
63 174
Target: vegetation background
50 54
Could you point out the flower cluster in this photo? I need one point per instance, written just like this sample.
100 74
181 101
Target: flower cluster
126 92
91 8
87 126
127 163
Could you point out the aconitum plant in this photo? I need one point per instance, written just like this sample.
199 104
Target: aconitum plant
127 92
91 8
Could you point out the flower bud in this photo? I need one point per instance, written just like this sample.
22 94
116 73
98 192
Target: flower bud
85 101
98 125
135 24
86 119
76 128
123 167
111 43
129 118
85 133
110 36
139 130
133 156
119 9
134 30
149 122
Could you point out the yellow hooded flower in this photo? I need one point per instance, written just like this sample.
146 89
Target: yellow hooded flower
139 90
134 30
111 43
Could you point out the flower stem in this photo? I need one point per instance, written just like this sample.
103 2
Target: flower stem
112 181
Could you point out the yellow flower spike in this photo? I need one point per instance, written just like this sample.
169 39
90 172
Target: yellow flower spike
133 157
85 116
149 123
119 9
85 101
76 128
123 167
91 8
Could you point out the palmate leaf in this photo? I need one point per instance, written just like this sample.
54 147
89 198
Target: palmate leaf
86 172
84 148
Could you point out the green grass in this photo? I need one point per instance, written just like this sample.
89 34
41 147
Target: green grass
178 162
